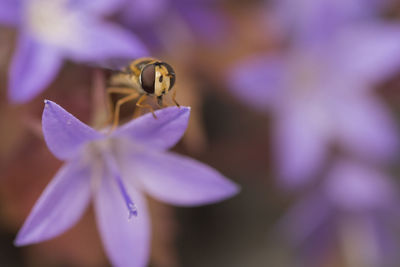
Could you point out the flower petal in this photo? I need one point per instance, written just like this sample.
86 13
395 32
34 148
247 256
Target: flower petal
163 132
126 241
304 218
144 12
10 12
204 20
97 41
386 238
64 134
101 7
59 207
314 18
258 81
179 180
33 68
356 187
300 141
369 53
365 127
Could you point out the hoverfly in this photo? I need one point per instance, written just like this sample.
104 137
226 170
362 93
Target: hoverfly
142 78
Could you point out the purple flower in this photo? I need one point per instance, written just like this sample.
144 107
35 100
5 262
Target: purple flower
115 170
355 207
314 19
51 31
9 11
161 21
322 94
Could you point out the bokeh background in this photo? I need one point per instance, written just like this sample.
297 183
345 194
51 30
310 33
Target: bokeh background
296 101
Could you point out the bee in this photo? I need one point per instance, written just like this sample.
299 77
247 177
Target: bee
142 78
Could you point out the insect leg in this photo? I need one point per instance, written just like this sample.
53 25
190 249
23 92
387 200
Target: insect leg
120 90
140 105
110 91
159 101
173 98
120 102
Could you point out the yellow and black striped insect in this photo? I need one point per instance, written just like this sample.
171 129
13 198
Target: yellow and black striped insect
142 78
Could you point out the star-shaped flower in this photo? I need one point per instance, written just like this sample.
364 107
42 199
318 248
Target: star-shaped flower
310 20
161 22
323 94
51 31
115 170
355 205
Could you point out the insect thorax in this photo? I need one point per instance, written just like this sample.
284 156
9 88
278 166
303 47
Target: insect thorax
125 80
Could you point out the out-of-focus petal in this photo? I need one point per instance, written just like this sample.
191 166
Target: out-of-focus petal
388 246
64 134
138 13
305 19
357 187
304 218
97 41
163 132
300 141
126 241
206 21
102 7
10 12
179 180
59 207
259 81
33 68
311 19
365 127
368 53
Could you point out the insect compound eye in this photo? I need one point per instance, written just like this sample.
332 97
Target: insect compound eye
171 74
147 78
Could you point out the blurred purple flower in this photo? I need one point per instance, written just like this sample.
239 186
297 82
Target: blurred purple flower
356 206
115 169
323 94
159 20
9 11
314 19
53 30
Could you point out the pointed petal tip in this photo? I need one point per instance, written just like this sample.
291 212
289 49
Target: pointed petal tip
170 112
232 189
18 242
49 103
64 134
226 191
22 240
16 98
182 111
235 189
164 131
175 109
59 207
180 180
